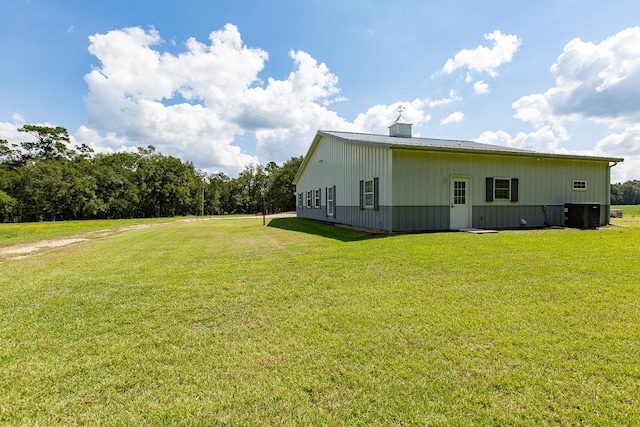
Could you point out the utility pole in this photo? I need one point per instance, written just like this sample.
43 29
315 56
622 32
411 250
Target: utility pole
263 205
202 201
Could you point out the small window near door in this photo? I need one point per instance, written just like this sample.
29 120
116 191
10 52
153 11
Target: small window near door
579 185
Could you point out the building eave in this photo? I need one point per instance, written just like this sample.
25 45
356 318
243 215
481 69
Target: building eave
464 147
307 157
530 154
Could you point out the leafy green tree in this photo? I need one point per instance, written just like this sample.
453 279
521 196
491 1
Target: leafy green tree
631 193
116 181
167 186
218 200
51 143
42 190
45 179
247 189
616 194
627 193
178 187
6 152
7 206
80 199
281 191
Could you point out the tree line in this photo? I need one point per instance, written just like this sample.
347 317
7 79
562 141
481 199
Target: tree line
48 180
627 193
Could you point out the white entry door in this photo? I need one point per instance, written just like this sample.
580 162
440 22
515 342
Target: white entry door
460 212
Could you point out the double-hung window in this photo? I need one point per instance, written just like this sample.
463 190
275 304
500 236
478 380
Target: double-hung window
368 193
331 202
316 198
309 199
501 189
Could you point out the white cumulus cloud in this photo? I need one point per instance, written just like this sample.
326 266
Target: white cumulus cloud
453 97
480 87
544 140
598 83
485 59
196 104
377 118
458 116
625 143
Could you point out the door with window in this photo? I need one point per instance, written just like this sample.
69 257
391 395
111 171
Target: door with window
460 212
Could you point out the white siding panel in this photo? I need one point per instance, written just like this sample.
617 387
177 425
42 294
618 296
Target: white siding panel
335 162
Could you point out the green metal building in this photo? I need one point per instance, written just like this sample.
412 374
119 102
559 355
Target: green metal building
399 183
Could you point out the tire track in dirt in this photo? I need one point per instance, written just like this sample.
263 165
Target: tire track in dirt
22 250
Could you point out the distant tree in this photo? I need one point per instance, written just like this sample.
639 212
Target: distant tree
631 193
616 194
51 143
42 190
45 179
218 199
167 186
7 206
245 189
281 191
627 193
5 150
81 200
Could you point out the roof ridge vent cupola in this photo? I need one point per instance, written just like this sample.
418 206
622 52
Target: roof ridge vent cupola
400 127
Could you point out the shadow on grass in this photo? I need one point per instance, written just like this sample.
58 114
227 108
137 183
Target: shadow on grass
322 229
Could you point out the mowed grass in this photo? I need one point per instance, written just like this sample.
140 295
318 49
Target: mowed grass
628 210
15 233
299 323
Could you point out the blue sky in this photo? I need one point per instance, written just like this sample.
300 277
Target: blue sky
225 84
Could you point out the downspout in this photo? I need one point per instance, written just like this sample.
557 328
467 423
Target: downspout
608 213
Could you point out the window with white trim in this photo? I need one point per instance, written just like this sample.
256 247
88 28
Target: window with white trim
309 199
330 201
368 194
501 189
316 198
579 185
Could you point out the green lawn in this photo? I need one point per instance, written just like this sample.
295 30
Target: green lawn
629 210
11 233
229 322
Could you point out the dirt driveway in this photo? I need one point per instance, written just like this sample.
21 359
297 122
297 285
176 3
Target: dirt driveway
22 250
